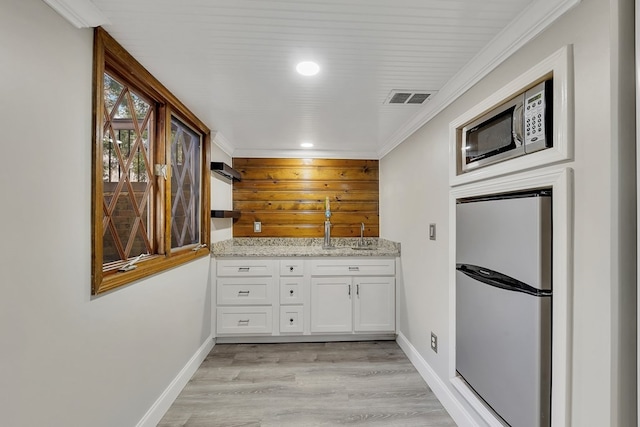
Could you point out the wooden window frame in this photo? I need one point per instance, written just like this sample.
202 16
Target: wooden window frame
110 56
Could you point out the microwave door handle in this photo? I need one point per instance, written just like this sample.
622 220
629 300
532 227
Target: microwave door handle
518 122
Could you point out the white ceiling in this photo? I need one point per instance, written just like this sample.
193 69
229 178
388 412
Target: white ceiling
232 62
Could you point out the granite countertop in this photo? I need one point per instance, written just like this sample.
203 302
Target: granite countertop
303 247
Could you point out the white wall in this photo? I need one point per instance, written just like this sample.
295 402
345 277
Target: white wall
68 359
414 189
221 196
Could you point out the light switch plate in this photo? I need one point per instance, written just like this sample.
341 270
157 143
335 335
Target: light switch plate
257 227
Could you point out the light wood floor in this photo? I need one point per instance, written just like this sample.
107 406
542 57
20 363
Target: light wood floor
311 384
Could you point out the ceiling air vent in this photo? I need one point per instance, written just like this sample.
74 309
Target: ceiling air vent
407 97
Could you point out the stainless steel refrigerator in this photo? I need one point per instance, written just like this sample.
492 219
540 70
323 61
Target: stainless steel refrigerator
503 303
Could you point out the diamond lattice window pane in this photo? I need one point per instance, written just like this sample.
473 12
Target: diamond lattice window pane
185 185
141 107
127 183
112 90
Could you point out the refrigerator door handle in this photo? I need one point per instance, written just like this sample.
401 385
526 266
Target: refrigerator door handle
499 280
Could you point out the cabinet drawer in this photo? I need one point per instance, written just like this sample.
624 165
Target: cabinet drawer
291 267
244 290
244 320
291 290
353 267
249 267
292 319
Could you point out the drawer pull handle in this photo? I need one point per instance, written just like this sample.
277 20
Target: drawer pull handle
358 290
354 268
291 292
290 268
349 290
291 321
243 322
243 293
243 269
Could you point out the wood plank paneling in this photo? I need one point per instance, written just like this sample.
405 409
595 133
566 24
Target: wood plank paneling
310 217
306 174
287 196
305 205
240 162
306 185
315 196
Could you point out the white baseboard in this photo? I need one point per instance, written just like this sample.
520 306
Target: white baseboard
166 399
459 414
270 339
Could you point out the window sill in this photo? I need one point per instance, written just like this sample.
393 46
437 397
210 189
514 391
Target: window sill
114 279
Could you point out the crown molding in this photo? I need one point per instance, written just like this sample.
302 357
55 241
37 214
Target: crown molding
230 149
223 143
531 22
307 154
80 13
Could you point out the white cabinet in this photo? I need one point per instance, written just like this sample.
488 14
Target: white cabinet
294 297
354 301
353 267
292 290
292 319
331 304
245 294
244 290
374 304
291 267
244 320
245 267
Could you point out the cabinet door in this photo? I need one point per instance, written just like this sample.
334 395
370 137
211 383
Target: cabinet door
331 304
375 304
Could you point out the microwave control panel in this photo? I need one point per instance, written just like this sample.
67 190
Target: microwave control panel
534 122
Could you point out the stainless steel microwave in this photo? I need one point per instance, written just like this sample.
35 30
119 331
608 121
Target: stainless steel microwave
520 126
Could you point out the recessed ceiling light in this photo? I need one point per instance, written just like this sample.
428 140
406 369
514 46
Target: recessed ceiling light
306 145
308 68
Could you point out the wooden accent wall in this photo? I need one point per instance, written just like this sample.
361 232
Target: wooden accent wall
287 196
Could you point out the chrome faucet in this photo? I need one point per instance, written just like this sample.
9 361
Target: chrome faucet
327 225
361 242
327 235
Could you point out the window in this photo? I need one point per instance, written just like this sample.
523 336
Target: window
185 185
128 181
150 158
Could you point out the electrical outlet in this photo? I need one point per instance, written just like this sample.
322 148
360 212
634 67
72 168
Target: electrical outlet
434 342
257 227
